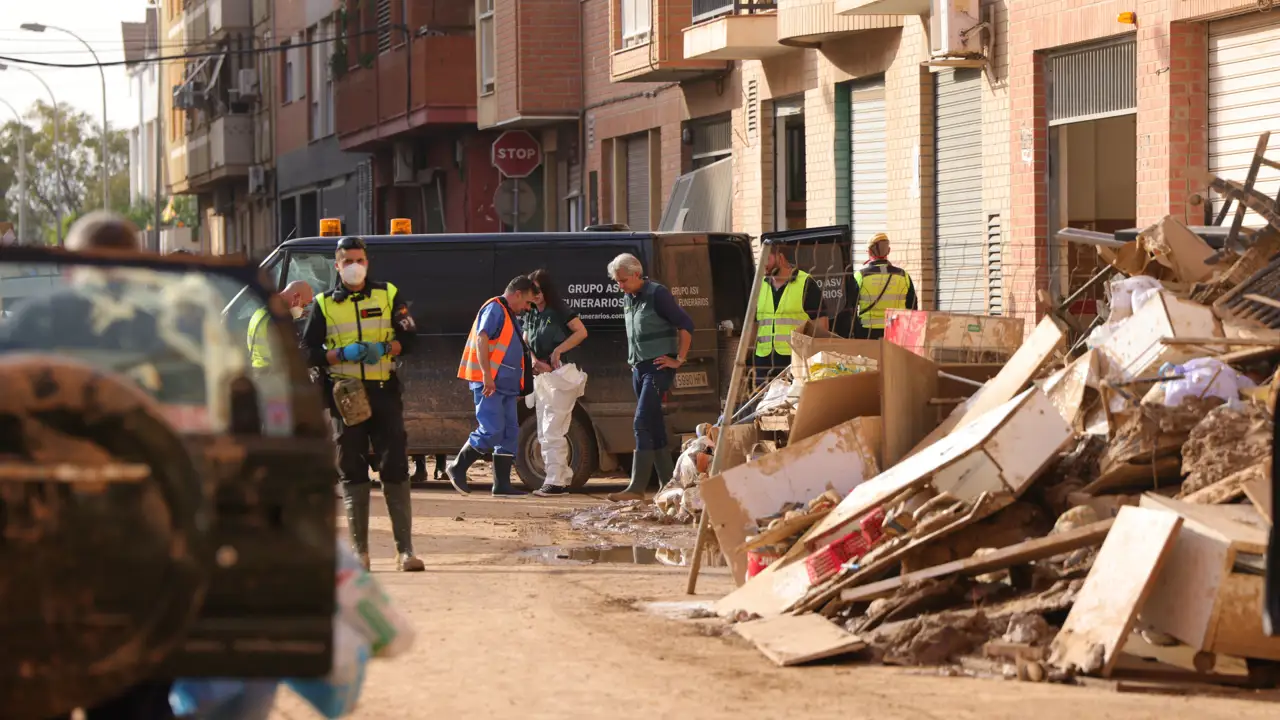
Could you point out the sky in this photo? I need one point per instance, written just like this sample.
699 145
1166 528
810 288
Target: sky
98 22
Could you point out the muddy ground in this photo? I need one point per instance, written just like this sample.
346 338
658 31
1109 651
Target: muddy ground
514 623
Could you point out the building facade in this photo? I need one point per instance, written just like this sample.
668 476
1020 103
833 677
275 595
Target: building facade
219 120
142 46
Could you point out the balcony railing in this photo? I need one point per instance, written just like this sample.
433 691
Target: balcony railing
708 9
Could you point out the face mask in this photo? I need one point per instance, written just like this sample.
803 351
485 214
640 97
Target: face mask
353 274
296 312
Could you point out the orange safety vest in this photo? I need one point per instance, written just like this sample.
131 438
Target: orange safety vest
469 369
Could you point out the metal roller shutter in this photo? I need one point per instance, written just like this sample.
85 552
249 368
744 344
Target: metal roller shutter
868 164
638 182
1244 99
961 250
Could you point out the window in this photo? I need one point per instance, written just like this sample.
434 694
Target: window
636 22
487 50
316 269
286 79
299 67
316 57
384 26
328 32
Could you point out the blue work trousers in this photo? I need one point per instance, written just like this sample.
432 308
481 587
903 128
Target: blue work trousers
650 383
497 425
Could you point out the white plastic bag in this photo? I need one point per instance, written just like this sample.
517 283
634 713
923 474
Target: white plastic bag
557 392
365 606
1123 292
336 695
1203 377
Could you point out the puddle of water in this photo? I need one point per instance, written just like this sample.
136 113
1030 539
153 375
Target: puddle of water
619 555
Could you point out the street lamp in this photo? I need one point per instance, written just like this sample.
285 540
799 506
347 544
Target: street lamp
106 190
22 171
57 205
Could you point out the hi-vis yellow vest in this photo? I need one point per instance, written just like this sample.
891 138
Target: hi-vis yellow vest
887 283
367 319
259 349
774 324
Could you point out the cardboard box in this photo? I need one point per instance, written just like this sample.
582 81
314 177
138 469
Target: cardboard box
1137 347
809 341
952 338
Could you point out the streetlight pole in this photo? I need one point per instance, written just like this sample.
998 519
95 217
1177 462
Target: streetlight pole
57 203
22 171
106 179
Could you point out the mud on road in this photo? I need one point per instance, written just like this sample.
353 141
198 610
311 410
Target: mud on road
508 629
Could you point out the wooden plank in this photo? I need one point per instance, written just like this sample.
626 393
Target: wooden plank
1119 583
1034 353
1259 493
1238 524
825 404
1222 342
1239 630
907 383
1184 597
796 639
1024 552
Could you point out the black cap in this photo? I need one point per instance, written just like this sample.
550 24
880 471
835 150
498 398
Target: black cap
351 242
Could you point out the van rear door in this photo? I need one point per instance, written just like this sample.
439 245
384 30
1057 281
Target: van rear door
683 264
826 253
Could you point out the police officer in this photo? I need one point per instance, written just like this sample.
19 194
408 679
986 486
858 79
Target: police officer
355 331
787 300
879 285
298 295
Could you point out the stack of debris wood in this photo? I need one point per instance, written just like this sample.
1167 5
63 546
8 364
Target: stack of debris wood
1097 505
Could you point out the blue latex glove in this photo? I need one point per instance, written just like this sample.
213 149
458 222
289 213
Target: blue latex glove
354 352
375 352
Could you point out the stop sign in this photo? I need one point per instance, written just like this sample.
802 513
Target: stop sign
516 154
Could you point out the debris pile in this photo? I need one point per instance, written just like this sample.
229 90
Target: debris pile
1095 504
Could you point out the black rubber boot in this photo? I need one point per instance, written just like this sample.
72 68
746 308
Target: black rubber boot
502 476
457 471
440 463
355 498
400 510
665 465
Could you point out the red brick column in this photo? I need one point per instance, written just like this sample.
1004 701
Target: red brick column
1173 118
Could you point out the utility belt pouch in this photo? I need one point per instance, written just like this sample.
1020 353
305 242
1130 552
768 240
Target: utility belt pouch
351 400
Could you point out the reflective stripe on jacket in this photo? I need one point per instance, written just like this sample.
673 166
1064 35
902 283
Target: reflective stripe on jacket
469 369
259 349
886 282
359 318
774 324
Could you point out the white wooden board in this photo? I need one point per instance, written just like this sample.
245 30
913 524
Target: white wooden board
795 639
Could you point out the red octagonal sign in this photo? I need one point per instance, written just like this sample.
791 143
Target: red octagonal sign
516 154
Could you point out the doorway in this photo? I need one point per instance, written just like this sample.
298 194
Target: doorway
789 163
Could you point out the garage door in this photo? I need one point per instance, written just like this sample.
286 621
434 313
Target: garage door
638 181
1244 99
868 164
961 251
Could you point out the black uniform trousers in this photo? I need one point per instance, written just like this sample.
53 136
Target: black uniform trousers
384 430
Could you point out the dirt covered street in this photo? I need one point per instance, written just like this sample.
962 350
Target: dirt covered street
509 628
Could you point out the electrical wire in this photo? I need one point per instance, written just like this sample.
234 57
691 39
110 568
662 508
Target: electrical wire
281 47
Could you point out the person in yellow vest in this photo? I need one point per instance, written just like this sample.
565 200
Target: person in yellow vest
356 330
878 286
499 371
788 299
298 295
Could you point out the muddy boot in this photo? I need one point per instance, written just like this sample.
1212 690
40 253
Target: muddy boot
502 476
457 471
641 472
665 465
355 498
400 510
440 463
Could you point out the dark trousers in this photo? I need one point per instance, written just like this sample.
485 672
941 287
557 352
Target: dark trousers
766 368
650 383
144 701
384 430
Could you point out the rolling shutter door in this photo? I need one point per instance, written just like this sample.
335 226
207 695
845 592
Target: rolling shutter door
868 164
961 251
1244 100
638 182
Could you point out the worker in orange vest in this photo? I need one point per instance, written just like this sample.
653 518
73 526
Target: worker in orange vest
497 366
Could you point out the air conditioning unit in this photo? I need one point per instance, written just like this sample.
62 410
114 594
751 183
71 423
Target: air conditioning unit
247 83
955 29
257 180
403 169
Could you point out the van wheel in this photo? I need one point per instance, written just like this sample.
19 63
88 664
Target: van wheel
582 454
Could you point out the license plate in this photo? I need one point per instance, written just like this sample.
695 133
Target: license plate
688 380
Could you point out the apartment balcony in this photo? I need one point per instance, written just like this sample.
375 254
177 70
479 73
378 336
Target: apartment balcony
853 8
261 11
654 53
195 23
219 151
809 23
733 30
228 17
391 97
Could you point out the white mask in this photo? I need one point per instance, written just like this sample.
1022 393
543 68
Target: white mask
296 312
353 274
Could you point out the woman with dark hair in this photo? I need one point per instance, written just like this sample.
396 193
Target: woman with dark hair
551 330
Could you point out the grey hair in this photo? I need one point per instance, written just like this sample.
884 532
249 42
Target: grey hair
627 263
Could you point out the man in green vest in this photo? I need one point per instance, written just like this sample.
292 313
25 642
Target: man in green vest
297 295
879 285
788 299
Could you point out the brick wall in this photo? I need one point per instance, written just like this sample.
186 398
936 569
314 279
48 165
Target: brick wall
292 129
995 141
